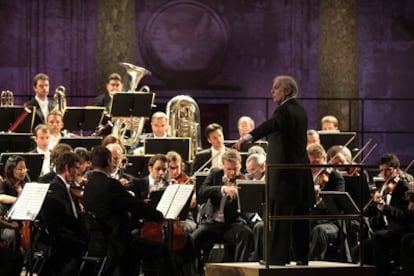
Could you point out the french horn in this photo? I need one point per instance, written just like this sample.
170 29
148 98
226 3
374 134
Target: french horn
130 129
184 120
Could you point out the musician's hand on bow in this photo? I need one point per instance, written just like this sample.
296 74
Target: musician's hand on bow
231 192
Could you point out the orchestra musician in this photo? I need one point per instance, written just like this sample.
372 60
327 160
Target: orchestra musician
54 122
14 179
57 151
40 100
61 215
384 213
159 129
118 163
256 166
329 123
110 202
245 124
211 158
323 232
291 190
177 175
42 138
221 220
113 85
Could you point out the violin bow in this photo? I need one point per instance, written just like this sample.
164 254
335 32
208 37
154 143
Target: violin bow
361 150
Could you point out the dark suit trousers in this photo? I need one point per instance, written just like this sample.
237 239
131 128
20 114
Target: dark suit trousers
286 235
236 234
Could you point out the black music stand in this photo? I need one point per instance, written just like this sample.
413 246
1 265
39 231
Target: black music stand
137 165
16 142
34 162
182 145
251 195
353 187
87 142
10 114
329 139
339 203
82 119
137 104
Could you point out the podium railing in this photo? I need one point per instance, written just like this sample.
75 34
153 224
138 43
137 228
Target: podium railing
268 217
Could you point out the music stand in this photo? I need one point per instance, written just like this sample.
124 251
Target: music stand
10 114
85 142
34 162
353 187
155 197
83 118
137 165
200 177
251 195
339 203
182 145
16 142
329 139
137 104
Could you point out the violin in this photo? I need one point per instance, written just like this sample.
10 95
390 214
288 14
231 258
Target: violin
323 177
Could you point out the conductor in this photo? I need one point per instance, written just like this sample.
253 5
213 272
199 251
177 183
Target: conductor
291 190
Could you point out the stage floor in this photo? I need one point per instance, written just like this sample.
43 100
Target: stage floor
315 268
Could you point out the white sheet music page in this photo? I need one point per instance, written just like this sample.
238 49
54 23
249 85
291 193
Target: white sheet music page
173 200
29 202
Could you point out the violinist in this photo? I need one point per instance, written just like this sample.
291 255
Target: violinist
223 225
256 166
61 215
177 175
384 216
57 151
14 179
328 179
323 232
118 164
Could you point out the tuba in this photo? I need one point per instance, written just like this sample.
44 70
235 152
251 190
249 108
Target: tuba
184 120
59 99
132 126
6 98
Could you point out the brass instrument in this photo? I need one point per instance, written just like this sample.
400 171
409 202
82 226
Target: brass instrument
184 120
6 98
133 125
59 99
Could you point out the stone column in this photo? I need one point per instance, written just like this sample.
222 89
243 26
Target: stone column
338 62
116 38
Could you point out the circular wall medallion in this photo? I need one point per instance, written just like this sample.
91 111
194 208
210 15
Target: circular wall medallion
185 43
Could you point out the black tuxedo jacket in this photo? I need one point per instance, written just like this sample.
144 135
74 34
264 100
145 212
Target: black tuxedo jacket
286 134
210 191
57 214
103 100
111 203
201 158
39 118
140 187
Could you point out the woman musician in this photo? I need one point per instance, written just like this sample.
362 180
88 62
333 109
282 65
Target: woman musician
14 179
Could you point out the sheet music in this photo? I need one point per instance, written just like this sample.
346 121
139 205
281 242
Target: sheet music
29 202
173 200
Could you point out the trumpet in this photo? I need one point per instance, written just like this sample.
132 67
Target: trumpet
6 98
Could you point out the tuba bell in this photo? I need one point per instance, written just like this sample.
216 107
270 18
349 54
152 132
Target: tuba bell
6 98
184 120
132 126
59 99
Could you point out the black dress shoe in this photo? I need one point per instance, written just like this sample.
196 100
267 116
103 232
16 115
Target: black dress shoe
302 263
263 262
